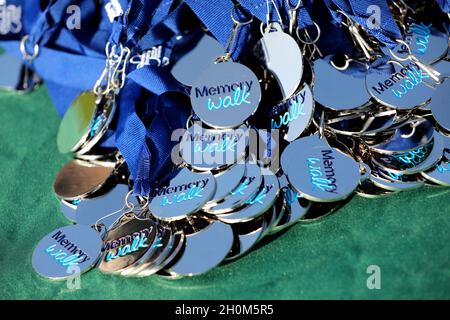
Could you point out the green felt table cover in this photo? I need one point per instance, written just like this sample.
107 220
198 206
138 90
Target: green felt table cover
407 235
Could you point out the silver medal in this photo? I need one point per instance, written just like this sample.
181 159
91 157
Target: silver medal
210 149
127 243
399 87
204 250
225 95
339 90
411 135
184 194
106 209
294 115
66 251
426 42
198 58
319 172
296 206
440 173
79 179
281 55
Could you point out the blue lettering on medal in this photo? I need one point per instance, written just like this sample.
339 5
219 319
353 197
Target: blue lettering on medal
238 98
295 110
443 167
322 179
414 79
423 35
414 157
226 145
62 257
194 192
138 243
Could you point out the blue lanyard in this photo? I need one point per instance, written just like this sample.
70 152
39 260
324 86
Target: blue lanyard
444 5
388 32
146 117
217 18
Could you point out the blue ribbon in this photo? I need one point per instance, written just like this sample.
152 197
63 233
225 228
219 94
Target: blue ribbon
146 120
388 32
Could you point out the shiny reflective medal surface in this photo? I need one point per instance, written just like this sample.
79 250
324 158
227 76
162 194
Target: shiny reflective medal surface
182 195
226 181
225 95
106 108
258 204
427 43
296 206
76 123
105 210
339 90
319 172
69 210
440 173
280 54
67 250
126 243
78 179
399 87
197 58
204 250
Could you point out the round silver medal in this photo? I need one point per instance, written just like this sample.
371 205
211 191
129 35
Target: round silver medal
127 243
339 90
294 115
415 161
79 179
225 95
186 193
67 250
281 55
76 124
296 206
319 172
204 250
246 236
99 125
210 149
106 209
198 58
399 87
426 43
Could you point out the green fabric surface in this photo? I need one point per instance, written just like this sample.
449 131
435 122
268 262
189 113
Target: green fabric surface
406 235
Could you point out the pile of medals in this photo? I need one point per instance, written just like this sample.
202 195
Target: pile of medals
268 145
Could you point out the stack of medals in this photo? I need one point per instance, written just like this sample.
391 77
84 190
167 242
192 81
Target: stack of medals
366 125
